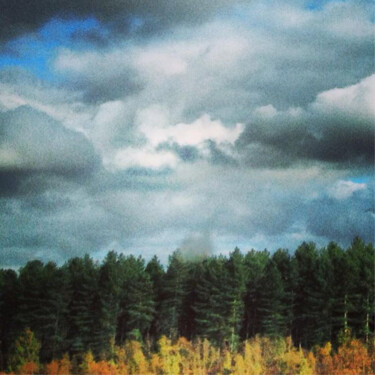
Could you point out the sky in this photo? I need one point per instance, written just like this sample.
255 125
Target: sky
146 126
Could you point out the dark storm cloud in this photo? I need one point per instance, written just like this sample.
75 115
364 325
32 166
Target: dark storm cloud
296 141
22 16
337 128
33 148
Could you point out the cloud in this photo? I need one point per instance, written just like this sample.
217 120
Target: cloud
355 101
337 127
342 219
345 189
193 134
145 158
165 124
123 16
32 144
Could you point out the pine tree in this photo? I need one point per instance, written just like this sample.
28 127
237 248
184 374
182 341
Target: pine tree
254 264
82 285
9 305
337 275
107 303
174 292
236 287
156 273
308 324
361 258
219 306
271 303
137 307
285 266
209 307
42 304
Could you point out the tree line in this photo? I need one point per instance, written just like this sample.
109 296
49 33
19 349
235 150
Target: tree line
314 295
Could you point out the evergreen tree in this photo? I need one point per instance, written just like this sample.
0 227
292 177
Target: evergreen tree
337 277
107 303
236 287
137 307
285 266
42 304
272 296
82 276
9 305
156 273
254 263
174 292
309 308
219 306
361 258
209 306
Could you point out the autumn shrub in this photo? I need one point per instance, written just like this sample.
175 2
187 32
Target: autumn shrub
352 358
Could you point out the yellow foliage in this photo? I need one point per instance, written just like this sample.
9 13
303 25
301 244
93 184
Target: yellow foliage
258 356
253 359
227 361
239 365
156 365
88 358
136 360
170 356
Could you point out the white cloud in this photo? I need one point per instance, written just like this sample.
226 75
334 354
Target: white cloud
355 100
344 189
193 134
266 111
142 157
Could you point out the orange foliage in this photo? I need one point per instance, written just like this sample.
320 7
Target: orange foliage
258 356
352 358
52 368
28 368
59 367
102 368
324 362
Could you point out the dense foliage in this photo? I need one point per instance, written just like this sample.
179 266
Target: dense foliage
256 356
121 310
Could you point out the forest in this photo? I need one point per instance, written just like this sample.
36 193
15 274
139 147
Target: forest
310 311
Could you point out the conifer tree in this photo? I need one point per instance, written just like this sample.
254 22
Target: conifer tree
361 315
137 307
254 263
9 305
174 292
107 303
156 273
308 327
82 286
271 303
